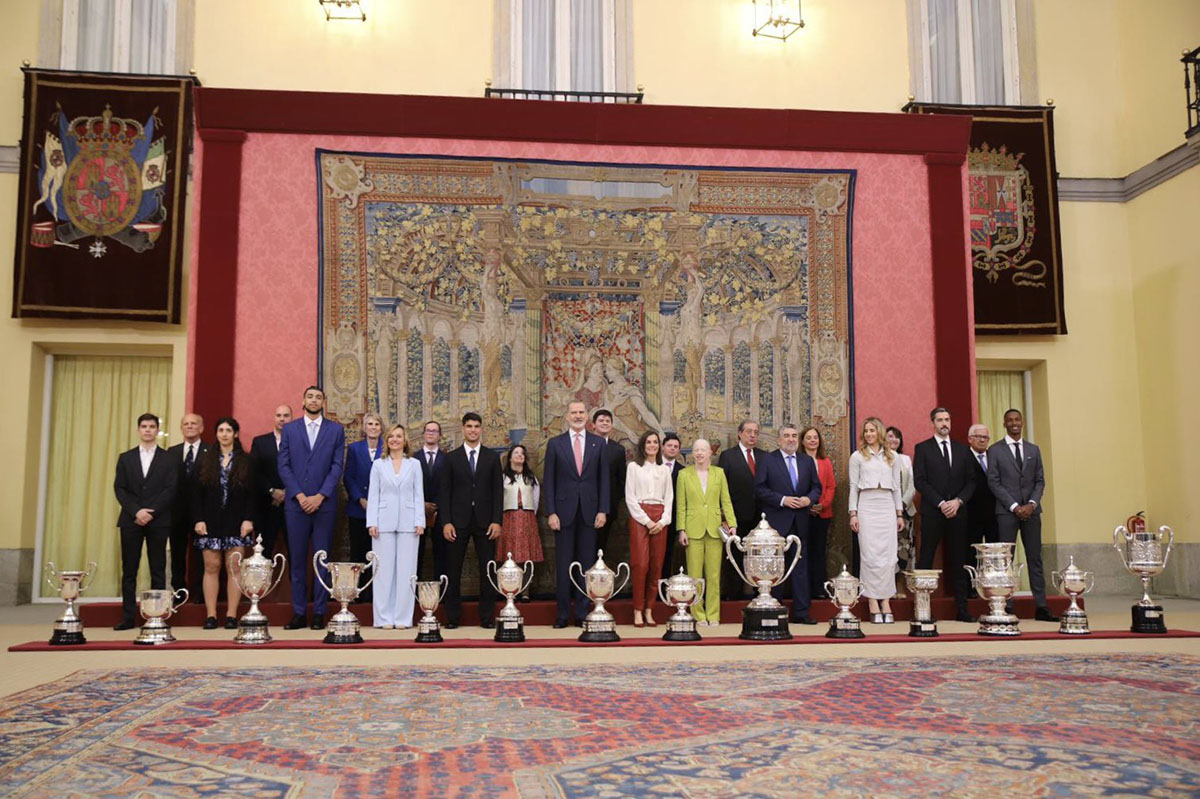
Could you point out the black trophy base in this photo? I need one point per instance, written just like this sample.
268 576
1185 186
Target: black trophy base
342 638
765 625
509 632
1148 620
922 629
67 638
433 637
836 631
681 635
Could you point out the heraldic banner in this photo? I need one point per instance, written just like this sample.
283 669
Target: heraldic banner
102 197
1016 247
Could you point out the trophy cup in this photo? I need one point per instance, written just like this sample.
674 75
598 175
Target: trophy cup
429 596
1142 553
922 583
764 618
510 580
1073 582
68 628
995 579
252 576
682 592
156 606
599 585
845 590
343 628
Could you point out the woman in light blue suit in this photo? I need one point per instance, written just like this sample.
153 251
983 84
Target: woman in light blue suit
395 520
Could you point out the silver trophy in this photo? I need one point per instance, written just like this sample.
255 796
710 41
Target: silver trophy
510 580
921 584
1143 555
599 585
1073 582
845 590
996 580
252 576
429 595
681 591
764 618
343 628
68 628
156 606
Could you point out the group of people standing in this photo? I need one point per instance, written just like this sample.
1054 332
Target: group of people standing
214 499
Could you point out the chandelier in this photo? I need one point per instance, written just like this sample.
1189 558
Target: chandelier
776 19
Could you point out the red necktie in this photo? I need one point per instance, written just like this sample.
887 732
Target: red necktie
750 461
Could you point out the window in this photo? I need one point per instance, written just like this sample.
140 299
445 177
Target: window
564 45
136 36
965 51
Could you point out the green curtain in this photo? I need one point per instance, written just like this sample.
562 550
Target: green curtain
999 391
95 402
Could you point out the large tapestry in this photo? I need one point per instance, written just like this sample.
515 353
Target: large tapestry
1016 246
682 299
101 209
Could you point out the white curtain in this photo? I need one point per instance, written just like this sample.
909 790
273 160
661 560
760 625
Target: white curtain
120 36
587 45
944 64
988 39
537 40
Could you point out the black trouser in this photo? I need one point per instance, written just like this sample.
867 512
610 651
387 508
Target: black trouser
438 545
131 557
576 541
485 550
669 555
360 545
818 545
1031 538
271 526
935 527
801 599
180 538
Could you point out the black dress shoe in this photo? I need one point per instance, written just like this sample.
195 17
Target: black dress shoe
804 620
124 624
488 625
317 623
230 623
210 623
559 624
578 622
298 622
1044 614
967 617
451 625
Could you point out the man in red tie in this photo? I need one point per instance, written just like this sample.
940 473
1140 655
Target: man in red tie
575 483
740 464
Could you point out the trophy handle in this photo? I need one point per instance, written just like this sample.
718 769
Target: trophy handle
49 571
862 589
1091 582
412 582
795 560
371 561
88 574
628 574
1056 581
181 602
1020 569
1119 534
729 544
828 586
1170 542
700 589
445 581
278 562
319 561
490 571
662 587
971 571
528 565
571 574
234 568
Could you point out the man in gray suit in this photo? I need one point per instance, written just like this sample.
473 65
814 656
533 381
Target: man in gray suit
1016 479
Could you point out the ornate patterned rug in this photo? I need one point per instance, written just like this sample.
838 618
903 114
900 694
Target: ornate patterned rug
1060 726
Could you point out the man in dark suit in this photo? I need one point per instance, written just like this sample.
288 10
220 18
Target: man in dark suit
1016 479
981 510
618 460
576 491
145 488
740 464
268 485
786 484
471 505
186 570
312 451
944 474
670 453
432 459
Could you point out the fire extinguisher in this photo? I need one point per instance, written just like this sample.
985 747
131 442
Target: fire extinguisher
1137 522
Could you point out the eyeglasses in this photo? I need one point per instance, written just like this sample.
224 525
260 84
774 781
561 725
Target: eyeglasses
985 438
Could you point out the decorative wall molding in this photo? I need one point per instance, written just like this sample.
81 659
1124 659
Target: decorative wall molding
1140 181
10 157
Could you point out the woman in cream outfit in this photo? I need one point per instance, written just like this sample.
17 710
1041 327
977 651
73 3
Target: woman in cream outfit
876 514
395 520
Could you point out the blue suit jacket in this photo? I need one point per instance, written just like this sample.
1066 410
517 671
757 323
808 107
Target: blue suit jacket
358 475
773 482
314 470
567 492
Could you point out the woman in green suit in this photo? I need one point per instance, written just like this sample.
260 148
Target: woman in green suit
701 499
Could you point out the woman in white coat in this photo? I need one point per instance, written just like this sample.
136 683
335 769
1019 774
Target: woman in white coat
396 521
876 514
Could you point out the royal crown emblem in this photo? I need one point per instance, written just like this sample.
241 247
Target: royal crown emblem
1002 216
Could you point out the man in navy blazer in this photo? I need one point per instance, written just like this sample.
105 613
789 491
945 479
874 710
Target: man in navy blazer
1016 478
575 487
786 484
312 451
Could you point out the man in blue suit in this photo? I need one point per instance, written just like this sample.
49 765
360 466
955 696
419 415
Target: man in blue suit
312 450
575 484
786 484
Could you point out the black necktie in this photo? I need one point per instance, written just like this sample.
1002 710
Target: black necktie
472 459
1017 452
190 460
946 452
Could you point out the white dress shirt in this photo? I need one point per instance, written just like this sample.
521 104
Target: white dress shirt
147 456
949 448
650 483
